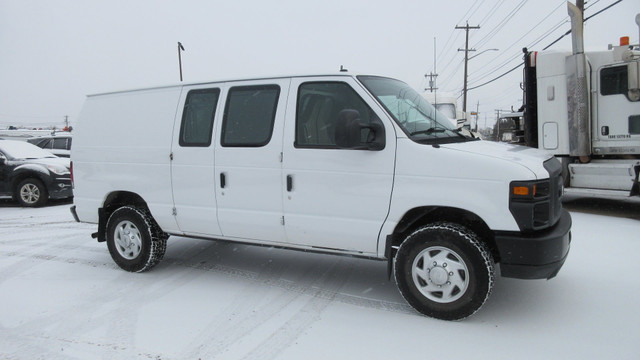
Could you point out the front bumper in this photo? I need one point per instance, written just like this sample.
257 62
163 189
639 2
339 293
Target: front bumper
538 255
60 188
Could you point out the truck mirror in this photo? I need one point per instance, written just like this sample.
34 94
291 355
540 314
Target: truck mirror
633 79
350 131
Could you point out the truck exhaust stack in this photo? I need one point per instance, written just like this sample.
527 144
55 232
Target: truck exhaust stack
577 90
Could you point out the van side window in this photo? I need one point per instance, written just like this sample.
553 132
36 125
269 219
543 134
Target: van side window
197 117
249 115
319 104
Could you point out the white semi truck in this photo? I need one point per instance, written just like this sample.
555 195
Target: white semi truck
584 107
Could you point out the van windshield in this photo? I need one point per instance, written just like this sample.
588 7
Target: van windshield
417 117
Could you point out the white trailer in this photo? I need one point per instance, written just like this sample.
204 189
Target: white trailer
447 104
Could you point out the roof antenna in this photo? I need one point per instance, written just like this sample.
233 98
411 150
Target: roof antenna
342 69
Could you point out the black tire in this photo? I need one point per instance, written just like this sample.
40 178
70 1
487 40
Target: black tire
31 192
444 271
566 176
136 243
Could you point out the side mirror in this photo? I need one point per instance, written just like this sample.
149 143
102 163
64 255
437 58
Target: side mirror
350 129
3 160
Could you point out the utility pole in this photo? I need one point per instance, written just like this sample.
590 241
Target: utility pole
498 127
466 60
477 114
432 81
66 121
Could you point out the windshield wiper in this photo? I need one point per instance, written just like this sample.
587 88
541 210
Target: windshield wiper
459 132
428 131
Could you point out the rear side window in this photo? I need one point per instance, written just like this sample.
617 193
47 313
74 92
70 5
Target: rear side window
249 115
60 144
197 118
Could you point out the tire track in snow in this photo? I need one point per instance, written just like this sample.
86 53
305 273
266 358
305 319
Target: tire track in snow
113 312
24 232
330 283
289 286
32 255
235 322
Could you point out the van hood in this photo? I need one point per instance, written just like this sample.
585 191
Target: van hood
530 158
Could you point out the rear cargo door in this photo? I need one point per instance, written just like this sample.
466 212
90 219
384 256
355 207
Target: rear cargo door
248 159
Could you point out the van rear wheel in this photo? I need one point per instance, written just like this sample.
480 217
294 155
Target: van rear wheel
136 243
444 271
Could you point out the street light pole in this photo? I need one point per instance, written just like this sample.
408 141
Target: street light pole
483 51
466 60
180 49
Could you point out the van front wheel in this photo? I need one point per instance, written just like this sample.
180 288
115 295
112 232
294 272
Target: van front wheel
444 271
136 243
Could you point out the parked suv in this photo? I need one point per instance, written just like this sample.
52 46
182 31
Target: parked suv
59 144
31 175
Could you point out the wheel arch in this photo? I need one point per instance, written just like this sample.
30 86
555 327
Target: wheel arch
24 174
421 216
113 201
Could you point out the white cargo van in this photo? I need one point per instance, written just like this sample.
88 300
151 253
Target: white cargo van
351 165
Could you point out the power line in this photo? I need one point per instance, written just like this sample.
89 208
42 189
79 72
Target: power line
496 78
585 20
467 13
518 54
522 63
491 11
452 57
448 75
501 24
518 41
445 82
448 44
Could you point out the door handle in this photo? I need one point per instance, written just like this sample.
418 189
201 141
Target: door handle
223 180
289 183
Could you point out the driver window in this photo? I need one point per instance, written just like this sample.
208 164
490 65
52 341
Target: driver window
318 106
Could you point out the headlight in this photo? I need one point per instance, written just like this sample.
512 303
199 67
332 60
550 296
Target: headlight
58 170
530 203
529 190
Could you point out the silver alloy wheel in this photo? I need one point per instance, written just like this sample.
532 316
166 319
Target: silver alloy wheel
440 274
29 193
128 240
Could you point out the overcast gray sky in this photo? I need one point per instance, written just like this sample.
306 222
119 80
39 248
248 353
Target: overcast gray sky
53 53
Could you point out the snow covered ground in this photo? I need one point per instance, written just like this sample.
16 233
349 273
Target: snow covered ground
62 297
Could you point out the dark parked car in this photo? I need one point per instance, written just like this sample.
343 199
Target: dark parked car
32 175
59 145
